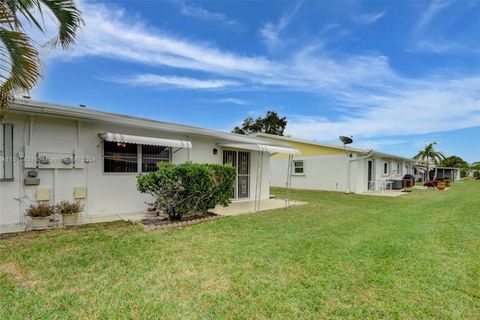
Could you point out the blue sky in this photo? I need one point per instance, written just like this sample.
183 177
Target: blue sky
394 74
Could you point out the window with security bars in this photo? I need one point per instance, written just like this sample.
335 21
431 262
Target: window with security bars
120 157
151 155
129 157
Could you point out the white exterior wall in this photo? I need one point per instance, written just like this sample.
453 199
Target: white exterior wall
320 172
331 172
107 193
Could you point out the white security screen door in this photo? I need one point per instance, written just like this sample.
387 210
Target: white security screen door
240 160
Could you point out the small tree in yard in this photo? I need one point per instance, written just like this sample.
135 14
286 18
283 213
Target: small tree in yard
188 188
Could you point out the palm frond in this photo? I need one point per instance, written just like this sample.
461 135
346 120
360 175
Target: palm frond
24 65
66 12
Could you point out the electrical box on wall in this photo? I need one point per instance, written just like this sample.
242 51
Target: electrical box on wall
30 158
55 160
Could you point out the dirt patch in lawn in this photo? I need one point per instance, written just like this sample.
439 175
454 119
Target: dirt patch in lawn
163 222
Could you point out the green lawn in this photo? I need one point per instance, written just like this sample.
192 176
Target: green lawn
340 256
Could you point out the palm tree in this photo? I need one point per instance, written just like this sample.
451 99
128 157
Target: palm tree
20 66
429 154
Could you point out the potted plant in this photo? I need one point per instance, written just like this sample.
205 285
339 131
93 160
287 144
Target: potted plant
152 210
441 185
69 212
40 214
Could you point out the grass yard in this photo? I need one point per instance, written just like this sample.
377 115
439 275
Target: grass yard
340 256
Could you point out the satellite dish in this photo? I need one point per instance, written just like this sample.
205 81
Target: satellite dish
346 140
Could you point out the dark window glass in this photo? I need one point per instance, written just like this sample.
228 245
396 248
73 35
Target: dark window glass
120 157
298 166
151 155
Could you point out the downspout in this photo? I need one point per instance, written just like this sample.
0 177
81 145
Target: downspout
349 169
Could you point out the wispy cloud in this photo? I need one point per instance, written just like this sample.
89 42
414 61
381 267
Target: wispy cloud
270 32
440 38
233 101
370 97
369 18
157 81
432 10
199 12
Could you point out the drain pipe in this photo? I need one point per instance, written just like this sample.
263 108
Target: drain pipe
349 169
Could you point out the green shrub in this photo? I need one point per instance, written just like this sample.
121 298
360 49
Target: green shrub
66 207
188 188
41 210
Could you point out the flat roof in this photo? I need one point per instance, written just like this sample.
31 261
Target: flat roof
85 113
362 151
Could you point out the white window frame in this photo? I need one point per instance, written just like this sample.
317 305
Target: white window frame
294 167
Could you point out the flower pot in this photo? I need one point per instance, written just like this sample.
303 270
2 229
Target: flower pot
152 214
70 219
440 187
40 223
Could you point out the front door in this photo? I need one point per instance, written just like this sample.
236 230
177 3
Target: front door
371 176
240 160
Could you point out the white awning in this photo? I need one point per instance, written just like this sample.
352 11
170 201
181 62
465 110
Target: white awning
261 147
117 137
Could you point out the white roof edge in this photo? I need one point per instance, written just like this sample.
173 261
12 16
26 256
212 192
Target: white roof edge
288 138
37 107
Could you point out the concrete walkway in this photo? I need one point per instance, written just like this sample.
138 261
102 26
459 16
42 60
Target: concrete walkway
387 193
244 207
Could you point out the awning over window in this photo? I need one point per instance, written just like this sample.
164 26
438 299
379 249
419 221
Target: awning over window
117 137
261 147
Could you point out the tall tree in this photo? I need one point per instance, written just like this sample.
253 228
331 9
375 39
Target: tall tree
20 66
429 154
271 124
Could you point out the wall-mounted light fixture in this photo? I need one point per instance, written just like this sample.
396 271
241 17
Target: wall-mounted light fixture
215 150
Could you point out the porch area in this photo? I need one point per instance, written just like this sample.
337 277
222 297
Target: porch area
244 207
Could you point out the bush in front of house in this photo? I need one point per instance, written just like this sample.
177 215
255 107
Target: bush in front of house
40 210
188 188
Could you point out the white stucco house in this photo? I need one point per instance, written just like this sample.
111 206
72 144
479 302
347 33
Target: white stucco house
335 168
52 153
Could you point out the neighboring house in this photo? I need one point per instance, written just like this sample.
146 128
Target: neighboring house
326 167
420 171
53 153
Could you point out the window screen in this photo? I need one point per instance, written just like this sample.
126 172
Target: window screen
120 157
151 155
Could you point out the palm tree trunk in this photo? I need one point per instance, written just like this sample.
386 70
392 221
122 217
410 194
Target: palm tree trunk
427 178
